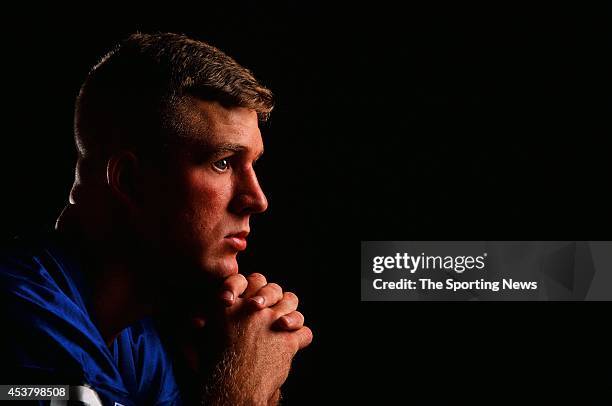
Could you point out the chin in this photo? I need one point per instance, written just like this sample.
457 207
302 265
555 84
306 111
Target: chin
223 267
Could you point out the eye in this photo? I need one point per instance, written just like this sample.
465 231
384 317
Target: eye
221 165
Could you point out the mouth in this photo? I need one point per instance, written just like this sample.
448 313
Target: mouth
237 240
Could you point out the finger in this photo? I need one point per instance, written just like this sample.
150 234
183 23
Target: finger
290 322
304 337
267 296
286 305
256 281
233 286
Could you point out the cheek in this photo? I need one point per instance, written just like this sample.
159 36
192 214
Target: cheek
208 199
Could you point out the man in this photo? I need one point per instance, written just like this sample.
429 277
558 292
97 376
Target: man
167 135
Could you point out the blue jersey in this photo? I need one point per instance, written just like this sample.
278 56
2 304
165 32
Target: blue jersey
50 337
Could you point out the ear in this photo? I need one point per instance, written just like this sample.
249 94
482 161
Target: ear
122 173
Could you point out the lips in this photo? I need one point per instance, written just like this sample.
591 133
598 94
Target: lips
237 240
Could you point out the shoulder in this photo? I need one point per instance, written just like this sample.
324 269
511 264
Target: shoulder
35 279
48 331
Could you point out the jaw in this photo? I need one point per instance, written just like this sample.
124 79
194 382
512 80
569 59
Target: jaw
221 267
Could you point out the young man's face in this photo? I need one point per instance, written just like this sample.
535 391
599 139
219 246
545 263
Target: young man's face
212 189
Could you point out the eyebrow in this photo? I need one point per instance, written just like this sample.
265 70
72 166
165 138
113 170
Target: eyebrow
231 147
228 147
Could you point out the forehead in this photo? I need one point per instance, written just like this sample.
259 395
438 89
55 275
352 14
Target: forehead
210 123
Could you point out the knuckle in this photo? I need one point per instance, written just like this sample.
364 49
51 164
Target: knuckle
290 296
275 287
257 277
307 334
234 279
239 283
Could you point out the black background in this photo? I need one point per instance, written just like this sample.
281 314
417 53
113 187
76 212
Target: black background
427 123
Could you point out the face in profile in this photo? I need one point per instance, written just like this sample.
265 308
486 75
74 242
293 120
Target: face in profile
211 189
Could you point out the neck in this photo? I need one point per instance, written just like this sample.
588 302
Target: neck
118 300
120 297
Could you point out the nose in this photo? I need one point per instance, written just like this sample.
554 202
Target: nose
249 197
